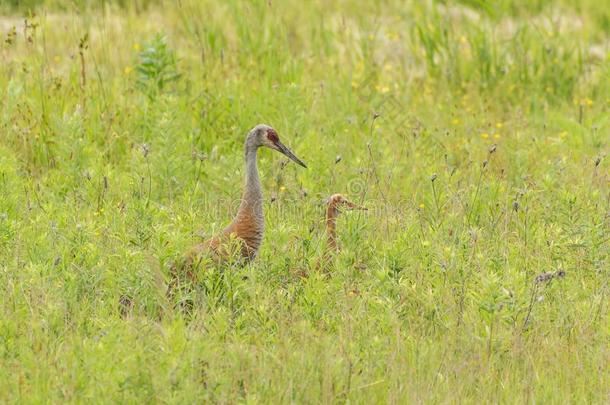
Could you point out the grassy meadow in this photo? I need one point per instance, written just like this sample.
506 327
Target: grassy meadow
477 133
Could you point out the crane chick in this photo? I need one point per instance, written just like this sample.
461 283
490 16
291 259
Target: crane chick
334 204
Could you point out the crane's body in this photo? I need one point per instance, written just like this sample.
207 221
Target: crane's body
247 228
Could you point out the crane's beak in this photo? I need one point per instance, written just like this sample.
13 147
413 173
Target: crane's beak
351 206
282 148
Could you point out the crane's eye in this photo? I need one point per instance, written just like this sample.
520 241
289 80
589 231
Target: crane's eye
272 136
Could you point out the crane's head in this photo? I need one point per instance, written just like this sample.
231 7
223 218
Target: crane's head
264 135
337 201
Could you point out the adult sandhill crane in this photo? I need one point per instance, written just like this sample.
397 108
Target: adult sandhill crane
334 204
247 227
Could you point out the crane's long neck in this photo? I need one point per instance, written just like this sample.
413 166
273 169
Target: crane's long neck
249 223
252 198
331 227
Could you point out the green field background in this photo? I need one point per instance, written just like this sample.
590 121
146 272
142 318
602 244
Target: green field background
476 132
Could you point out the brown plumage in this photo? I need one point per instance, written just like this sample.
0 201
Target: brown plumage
334 204
245 233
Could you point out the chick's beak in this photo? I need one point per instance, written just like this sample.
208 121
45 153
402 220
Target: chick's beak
351 206
282 148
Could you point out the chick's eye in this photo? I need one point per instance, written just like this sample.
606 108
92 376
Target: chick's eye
272 136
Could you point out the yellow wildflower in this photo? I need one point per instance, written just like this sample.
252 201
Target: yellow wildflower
393 36
586 101
484 135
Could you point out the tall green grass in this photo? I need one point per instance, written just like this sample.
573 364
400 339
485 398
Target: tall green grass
476 135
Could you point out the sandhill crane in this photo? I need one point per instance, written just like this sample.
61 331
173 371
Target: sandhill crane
248 225
334 204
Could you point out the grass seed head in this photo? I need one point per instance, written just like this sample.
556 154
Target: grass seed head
196 155
145 149
541 278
